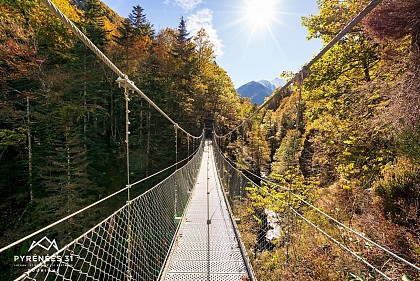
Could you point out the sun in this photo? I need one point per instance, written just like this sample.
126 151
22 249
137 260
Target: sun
260 13
258 22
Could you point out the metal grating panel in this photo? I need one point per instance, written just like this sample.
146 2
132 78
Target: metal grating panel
203 277
202 266
202 245
205 251
226 256
222 239
201 230
199 239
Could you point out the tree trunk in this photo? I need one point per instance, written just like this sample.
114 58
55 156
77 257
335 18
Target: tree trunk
148 141
28 128
68 171
141 124
366 70
112 118
85 113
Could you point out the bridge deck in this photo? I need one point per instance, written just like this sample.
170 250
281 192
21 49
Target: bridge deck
206 247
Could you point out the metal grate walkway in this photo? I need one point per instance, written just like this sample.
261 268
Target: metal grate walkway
206 247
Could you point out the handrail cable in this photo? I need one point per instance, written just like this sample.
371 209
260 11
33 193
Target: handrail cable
242 248
64 19
312 224
67 247
93 204
340 244
167 168
306 69
50 257
339 223
326 215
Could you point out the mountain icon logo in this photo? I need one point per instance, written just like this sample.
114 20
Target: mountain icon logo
44 243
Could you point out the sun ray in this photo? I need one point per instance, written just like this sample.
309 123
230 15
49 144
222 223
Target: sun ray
260 13
259 18
257 22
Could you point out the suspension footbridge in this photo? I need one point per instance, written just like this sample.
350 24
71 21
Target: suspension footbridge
207 245
185 227
182 229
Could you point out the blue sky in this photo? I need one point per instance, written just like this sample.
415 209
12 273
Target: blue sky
255 39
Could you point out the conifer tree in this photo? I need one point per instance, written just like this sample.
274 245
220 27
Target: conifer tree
185 67
141 26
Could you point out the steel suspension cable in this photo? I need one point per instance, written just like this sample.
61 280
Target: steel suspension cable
88 249
325 215
64 19
359 258
343 32
291 209
167 168
305 71
356 233
61 220
336 221
96 203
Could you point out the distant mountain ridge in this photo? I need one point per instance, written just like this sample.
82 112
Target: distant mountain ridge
257 91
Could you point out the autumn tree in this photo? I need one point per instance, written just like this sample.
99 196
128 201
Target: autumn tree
396 26
62 128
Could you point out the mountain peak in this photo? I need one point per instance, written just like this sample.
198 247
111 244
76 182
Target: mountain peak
267 84
277 82
257 91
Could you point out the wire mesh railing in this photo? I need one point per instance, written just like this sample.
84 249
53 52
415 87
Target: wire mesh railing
234 184
102 252
273 220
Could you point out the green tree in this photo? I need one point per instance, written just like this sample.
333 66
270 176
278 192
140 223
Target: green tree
185 68
141 26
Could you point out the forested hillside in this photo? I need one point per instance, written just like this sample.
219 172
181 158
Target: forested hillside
347 140
62 124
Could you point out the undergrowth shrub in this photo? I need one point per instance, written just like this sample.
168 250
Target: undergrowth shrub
399 193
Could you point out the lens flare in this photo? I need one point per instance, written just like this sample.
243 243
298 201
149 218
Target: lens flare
260 13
